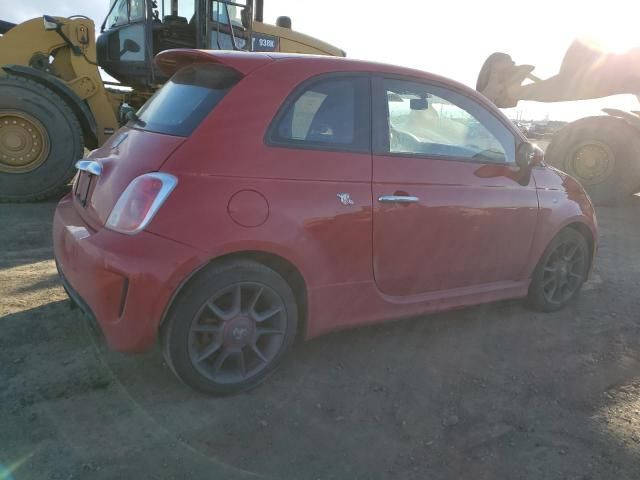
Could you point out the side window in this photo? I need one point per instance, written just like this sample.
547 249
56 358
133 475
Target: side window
136 12
219 13
124 12
430 120
187 9
119 14
332 113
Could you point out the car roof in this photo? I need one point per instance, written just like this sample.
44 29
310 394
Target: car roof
170 61
244 62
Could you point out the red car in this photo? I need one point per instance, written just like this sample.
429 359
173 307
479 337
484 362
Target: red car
258 198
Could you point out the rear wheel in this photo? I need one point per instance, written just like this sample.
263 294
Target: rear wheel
561 271
603 154
40 141
231 327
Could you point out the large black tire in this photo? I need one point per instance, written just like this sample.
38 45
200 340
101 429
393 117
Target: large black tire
58 145
552 286
613 148
211 345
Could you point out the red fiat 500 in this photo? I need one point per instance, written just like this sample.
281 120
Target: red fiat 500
257 198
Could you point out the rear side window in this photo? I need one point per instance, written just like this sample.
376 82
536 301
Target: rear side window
183 102
328 114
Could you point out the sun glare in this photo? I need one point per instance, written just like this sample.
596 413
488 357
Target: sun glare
615 41
612 26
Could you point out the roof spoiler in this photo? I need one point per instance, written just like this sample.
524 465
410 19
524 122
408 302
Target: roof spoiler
170 61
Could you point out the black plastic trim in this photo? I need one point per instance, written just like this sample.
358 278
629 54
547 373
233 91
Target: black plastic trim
77 301
123 296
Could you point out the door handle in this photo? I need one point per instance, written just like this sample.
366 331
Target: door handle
398 199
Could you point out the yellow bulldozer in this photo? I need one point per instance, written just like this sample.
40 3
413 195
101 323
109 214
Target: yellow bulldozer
603 151
54 102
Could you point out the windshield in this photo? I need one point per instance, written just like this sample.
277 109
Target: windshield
183 102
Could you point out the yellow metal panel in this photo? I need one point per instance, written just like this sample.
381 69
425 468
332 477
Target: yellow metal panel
79 72
296 42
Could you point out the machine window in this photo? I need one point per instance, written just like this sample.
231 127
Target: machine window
119 14
124 12
435 121
219 14
136 12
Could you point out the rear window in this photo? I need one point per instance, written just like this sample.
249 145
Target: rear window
183 102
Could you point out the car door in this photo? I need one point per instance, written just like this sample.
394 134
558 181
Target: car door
450 207
320 153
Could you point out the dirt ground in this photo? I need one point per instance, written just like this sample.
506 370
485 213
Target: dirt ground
491 392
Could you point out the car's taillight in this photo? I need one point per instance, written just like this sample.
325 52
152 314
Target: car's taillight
140 201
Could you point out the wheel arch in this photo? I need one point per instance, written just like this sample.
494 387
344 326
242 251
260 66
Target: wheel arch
79 107
581 227
284 267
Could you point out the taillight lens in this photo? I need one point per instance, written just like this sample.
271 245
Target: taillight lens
140 201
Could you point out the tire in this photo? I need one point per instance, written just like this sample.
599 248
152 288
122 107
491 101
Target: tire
217 348
616 147
46 130
541 284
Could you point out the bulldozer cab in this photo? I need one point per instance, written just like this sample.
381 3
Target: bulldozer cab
134 31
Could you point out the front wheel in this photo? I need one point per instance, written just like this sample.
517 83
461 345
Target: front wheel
231 327
561 272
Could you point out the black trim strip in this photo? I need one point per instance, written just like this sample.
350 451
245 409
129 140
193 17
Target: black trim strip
123 296
78 301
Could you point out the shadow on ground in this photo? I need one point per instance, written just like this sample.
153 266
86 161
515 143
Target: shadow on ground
489 392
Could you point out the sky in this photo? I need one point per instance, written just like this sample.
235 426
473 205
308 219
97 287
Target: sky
450 38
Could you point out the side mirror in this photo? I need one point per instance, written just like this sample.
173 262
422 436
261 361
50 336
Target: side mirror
529 155
129 46
50 23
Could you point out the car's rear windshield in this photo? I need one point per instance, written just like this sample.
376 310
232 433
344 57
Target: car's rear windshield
183 102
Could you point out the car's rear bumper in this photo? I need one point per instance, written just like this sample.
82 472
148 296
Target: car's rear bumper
124 282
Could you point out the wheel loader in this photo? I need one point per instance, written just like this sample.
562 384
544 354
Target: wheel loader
602 152
54 103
